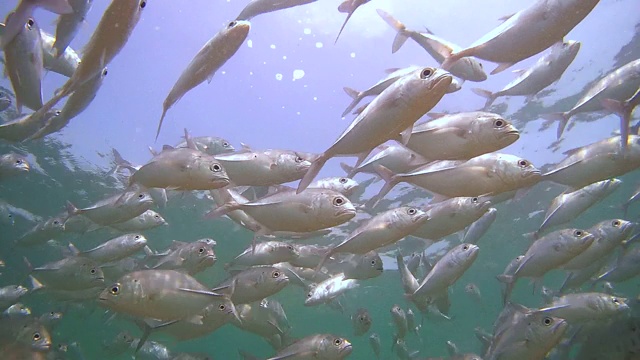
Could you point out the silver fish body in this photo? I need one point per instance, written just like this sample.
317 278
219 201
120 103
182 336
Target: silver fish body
450 216
608 234
259 7
582 307
145 221
69 24
72 273
266 253
447 271
24 127
42 232
115 209
254 284
343 185
211 145
396 158
476 231
263 168
65 64
329 289
116 249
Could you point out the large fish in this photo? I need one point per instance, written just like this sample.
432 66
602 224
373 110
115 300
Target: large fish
72 273
69 24
405 101
488 174
115 209
317 346
259 7
620 84
114 249
253 284
466 68
462 136
396 158
595 162
24 64
583 307
450 216
608 234
547 70
526 33
207 61
24 11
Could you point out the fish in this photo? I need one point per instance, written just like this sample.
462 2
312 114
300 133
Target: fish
396 158
10 294
488 174
24 11
624 109
64 64
547 70
420 91
549 252
626 267
68 25
447 271
24 331
16 310
24 63
462 136
399 318
145 221
474 293
349 7
263 168
13 164
158 294
476 231
620 84
262 321
358 266
24 127
466 68
329 289
595 162
632 199
383 229
259 7
115 209
191 257
316 346
582 307
266 253
211 145
108 39
361 321
42 232
70 273
374 342
77 102
450 216
113 250
526 33
410 284
215 53
343 185
608 235
253 284
569 205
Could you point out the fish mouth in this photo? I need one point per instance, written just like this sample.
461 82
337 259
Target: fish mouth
380 268
220 182
442 81
513 132
45 346
23 167
346 211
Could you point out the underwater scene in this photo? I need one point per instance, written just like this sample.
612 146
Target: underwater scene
320 179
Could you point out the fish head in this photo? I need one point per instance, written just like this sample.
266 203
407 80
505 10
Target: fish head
293 163
474 205
343 185
574 241
236 31
494 129
615 230
517 172
15 162
435 80
137 199
473 69
155 218
135 241
40 338
121 294
464 254
341 207
333 347
544 331
56 224
216 146
567 49
200 254
273 278
212 173
51 317
222 308
90 274
454 86
120 343
367 266
16 291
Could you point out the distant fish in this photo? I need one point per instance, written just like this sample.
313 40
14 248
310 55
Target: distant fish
349 7
207 61
12 164
374 341
583 307
22 128
259 7
361 321
476 231
24 11
526 33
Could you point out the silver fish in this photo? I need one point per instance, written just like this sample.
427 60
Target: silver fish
10 294
24 331
211 145
466 68
24 64
192 257
399 318
261 321
24 11
624 109
475 177
361 321
396 158
474 293
343 185
626 267
254 284
145 221
72 273
582 307
620 84
113 250
420 90
450 216
569 205
16 310
115 209
23 128
317 346
65 64
358 266
480 227
259 7
69 24
329 289
349 7
42 232
595 162
158 294
206 62
267 253
12 164
374 341
462 136
526 33
608 235
547 70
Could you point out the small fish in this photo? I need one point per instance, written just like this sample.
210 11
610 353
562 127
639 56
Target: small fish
583 307
145 221
68 25
317 346
253 284
626 267
12 164
399 318
374 341
206 62
16 310
24 331
10 294
50 319
396 158
259 7
115 209
267 253
349 7
548 69
191 257
330 289
211 145
24 11
480 227
358 266
42 232
113 250
608 234
450 216
474 293
71 273
421 90
526 33
361 321
412 325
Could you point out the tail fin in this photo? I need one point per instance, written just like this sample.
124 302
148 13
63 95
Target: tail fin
355 95
312 172
351 171
623 110
71 209
491 97
165 108
390 180
562 118
401 37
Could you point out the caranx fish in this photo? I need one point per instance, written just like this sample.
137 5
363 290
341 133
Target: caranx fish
466 68
12 164
115 209
145 221
569 205
158 294
69 24
620 84
450 216
72 273
526 33
259 7
462 136
42 232
420 91
211 145
626 267
329 289
191 257
317 346
65 64
361 321
358 266
266 253
396 158
547 70
10 294
114 249
479 227
261 321
582 307
608 234
24 11
24 64
23 128
207 61
253 284
343 185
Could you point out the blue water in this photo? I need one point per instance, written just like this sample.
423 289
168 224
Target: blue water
283 89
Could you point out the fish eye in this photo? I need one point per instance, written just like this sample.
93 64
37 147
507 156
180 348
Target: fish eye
222 307
373 262
143 4
337 342
104 72
19 161
115 289
338 201
343 180
427 72
215 167
93 271
30 23
523 163
578 233
201 250
362 318
289 247
474 200
480 65
225 144
140 196
275 274
57 112
156 216
56 222
412 211
137 237
616 223
36 336
466 247
232 24
499 123
548 321
309 294
615 300
299 159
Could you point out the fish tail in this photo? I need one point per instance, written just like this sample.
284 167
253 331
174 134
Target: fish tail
59 7
390 180
222 210
312 172
491 97
35 283
355 95
350 170
401 36
72 209
509 281
623 110
165 108
562 119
